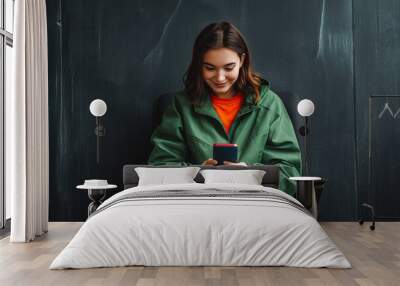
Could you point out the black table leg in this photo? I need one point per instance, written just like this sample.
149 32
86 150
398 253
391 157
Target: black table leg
306 195
97 196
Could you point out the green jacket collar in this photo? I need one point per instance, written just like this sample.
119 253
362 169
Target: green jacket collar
205 107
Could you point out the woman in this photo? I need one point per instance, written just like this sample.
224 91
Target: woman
225 101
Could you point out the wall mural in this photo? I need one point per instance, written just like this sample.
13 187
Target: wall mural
128 53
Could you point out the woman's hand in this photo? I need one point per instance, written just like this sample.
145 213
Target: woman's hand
210 161
235 164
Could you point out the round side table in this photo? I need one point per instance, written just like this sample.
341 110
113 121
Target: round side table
306 193
96 195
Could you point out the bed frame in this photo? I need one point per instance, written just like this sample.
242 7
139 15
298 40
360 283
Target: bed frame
270 179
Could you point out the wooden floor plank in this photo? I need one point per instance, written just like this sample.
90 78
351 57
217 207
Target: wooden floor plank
375 257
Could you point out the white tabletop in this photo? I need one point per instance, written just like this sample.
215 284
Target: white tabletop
88 187
305 178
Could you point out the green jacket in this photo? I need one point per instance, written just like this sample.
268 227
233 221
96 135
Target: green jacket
263 132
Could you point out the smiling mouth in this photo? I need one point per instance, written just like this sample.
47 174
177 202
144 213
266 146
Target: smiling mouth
220 84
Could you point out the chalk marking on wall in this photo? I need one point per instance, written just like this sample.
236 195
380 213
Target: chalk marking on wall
321 31
397 113
386 108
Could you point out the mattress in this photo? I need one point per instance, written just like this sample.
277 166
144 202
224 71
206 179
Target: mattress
201 225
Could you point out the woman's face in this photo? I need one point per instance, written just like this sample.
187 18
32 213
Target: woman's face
221 70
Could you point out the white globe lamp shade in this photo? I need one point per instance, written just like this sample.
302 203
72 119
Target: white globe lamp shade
305 107
98 107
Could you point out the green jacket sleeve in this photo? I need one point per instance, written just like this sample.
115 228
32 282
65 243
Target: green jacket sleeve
168 140
283 149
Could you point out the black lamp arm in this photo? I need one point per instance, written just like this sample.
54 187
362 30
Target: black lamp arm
305 131
99 131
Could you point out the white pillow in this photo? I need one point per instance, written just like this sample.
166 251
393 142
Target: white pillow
165 176
248 177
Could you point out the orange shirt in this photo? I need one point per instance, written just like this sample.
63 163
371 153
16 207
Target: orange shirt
227 108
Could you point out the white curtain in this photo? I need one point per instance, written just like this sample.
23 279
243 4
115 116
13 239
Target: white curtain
27 147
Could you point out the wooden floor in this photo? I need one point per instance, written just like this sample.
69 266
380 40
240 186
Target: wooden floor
375 257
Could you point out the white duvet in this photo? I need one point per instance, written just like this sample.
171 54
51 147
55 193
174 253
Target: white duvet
200 231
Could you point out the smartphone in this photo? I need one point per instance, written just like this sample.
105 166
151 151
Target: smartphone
225 152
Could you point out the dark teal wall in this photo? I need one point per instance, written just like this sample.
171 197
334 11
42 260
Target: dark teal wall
129 52
377 83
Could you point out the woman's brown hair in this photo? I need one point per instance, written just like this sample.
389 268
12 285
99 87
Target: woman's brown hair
214 36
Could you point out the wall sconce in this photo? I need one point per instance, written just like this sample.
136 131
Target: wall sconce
98 108
305 108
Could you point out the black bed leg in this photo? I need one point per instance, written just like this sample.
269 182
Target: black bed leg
372 226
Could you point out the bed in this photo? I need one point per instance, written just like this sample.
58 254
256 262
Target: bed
197 224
